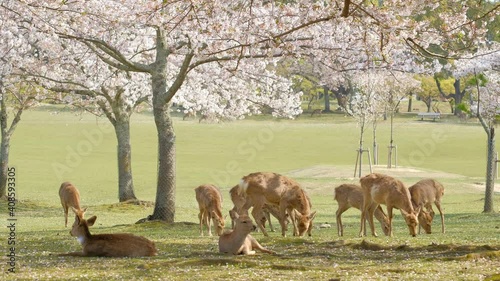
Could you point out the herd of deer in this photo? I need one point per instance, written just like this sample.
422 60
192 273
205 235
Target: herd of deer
270 194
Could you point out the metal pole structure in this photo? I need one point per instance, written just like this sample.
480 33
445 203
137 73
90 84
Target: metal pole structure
390 147
356 165
360 160
369 161
395 156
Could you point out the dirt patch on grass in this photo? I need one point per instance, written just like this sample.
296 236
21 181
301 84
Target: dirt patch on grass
445 251
347 172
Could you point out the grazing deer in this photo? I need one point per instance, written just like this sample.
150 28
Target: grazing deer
108 245
70 197
189 114
382 189
239 241
351 195
210 204
239 201
316 112
423 194
275 189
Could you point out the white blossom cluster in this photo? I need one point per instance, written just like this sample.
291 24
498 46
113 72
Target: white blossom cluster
113 45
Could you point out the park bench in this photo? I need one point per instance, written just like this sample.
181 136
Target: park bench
433 115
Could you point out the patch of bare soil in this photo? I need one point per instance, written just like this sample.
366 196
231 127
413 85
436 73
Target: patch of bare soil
346 174
445 251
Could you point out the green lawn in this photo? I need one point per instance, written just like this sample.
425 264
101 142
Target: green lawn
319 152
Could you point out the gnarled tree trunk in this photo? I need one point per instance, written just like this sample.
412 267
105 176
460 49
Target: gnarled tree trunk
490 172
165 191
125 179
6 132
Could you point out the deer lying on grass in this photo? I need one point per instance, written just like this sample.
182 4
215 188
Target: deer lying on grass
239 241
239 201
351 195
275 189
210 204
70 197
423 194
108 245
382 189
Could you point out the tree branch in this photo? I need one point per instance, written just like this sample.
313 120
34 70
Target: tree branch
96 45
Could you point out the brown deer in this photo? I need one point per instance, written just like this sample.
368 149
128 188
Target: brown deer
70 197
275 189
108 245
239 241
351 195
239 201
210 204
423 194
189 114
382 189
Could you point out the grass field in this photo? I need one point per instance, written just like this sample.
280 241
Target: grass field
318 152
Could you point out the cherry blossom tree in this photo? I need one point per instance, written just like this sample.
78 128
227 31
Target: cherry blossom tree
168 41
230 95
62 66
364 106
484 67
15 95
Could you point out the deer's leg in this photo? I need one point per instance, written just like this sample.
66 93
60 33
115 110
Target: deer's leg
438 205
200 217
282 218
209 223
338 216
371 211
390 216
257 216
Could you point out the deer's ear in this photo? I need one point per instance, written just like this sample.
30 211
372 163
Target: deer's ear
418 210
312 215
91 221
297 214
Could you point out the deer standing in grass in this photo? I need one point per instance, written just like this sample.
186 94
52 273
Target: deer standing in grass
108 245
189 114
210 204
239 241
70 197
382 189
275 189
423 194
351 195
240 200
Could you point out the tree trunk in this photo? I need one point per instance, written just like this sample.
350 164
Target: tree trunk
458 97
327 99
4 163
490 173
165 192
410 101
125 180
428 103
